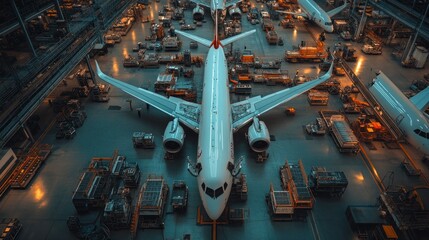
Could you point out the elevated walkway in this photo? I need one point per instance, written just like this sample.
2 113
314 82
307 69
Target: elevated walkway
405 15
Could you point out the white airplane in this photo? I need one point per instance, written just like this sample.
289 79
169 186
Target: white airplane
315 13
407 113
215 120
216 6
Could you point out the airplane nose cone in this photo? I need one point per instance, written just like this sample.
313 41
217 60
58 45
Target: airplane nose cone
214 208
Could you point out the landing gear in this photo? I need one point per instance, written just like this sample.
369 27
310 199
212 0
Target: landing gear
262 156
168 156
194 169
235 169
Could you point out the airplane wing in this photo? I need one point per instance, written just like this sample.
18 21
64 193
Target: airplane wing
205 3
337 10
207 43
421 100
230 3
244 111
201 40
229 40
187 112
301 14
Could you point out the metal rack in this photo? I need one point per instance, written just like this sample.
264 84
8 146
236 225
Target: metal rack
322 181
294 180
152 202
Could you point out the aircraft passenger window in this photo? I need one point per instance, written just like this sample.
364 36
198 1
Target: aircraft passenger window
218 192
225 185
210 192
203 186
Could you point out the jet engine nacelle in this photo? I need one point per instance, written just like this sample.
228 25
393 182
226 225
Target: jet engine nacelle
234 12
258 136
198 13
174 137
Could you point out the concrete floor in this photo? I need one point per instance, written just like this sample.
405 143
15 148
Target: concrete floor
44 207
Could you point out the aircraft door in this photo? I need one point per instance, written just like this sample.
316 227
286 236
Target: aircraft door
313 16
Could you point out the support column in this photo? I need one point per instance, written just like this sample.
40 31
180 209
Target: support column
23 26
61 16
91 71
362 23
60 12
27 132
392 32
407 54
408 48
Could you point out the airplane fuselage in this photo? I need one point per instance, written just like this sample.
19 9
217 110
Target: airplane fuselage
215 142
217 5
402 111
316 14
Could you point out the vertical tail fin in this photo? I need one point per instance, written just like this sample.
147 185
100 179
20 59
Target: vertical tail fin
216 41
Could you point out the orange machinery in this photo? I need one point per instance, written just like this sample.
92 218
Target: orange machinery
304 53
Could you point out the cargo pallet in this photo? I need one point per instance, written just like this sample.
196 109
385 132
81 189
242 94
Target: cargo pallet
179 195
280 205
294 180
323 182
341 132
10 228
117 213
152 202
27 169
239 188
95 184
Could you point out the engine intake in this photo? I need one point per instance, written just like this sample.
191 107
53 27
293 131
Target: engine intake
258 136
174 137
198 13
234 12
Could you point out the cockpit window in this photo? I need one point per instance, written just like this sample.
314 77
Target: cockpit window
225 185
328 23
218 192
422 133
213 193
210 192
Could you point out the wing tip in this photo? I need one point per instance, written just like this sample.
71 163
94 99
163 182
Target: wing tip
98 68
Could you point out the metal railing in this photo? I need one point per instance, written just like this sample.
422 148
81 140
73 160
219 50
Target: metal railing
385 119
29 102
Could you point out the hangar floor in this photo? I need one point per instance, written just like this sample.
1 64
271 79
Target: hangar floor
45 206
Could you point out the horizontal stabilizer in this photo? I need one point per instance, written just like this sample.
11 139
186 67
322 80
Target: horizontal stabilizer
205 3
337 10
200 40
230 3
421 100
229 40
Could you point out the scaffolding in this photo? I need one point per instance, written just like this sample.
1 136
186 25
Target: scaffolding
95 184
331 183
280 205
152 202
294 180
